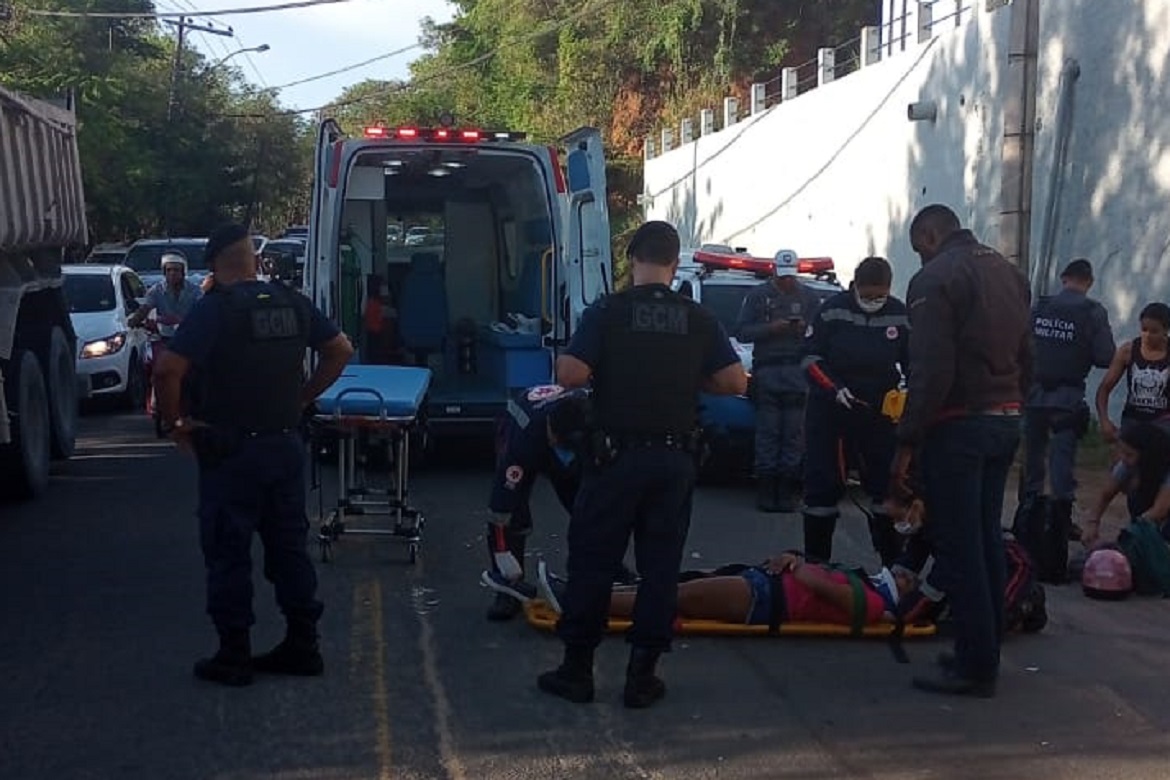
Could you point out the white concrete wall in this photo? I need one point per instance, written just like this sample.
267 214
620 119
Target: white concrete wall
1112 198
840 170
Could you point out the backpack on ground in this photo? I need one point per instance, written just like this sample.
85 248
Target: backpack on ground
1024 599
1042 526
1149 558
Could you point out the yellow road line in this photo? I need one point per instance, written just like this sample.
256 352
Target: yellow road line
367 613
426 645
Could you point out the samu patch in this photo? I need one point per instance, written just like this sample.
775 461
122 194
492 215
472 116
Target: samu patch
512 477
544 392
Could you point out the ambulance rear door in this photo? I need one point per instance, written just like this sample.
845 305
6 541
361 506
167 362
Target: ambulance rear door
586 262
321 269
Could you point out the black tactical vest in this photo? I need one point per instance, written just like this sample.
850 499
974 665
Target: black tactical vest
254 377
1063 343
650 371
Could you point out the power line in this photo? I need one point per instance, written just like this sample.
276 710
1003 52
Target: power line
348 68
397 88
260 9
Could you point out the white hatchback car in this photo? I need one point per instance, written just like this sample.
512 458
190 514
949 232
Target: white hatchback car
101 299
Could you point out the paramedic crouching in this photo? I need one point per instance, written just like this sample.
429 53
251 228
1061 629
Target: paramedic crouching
248 342
773 319
648 352
536 436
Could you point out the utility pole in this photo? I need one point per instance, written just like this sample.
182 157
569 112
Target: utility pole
184 24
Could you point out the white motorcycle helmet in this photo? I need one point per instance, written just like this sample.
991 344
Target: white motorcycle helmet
173 258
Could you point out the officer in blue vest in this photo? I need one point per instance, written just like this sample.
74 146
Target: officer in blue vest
853 350
648 352
541 433
247 340
1070 335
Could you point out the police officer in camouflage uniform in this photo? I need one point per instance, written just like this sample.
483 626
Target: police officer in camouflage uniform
247 340
1070 335
648 352
773 319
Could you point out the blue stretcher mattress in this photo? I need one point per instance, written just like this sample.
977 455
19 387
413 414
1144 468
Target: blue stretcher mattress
401 388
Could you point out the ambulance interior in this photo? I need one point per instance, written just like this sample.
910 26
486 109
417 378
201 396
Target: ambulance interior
446 261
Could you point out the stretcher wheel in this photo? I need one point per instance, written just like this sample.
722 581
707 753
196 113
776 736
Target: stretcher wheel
413 551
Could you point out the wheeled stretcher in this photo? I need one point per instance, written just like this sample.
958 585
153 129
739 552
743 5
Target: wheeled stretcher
541 615
381 402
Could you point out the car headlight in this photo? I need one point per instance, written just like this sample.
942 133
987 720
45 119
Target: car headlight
103 347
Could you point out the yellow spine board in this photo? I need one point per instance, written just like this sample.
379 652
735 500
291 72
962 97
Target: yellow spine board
541 616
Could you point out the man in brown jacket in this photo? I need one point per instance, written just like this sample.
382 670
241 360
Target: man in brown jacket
970 367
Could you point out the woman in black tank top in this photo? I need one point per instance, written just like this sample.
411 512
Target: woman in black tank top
1144 363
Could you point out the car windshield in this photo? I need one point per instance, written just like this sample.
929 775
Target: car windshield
88 293
725 301
146 258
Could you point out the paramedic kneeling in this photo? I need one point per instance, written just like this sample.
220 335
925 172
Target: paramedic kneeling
970 364
540 433
248 342
648 352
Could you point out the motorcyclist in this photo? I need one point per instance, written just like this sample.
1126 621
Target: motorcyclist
171 298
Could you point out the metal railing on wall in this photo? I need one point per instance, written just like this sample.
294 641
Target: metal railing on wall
906 24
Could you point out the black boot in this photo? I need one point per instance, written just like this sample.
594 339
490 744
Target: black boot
818 536
787 495
505 607
766 489
887 542
643 687
299 653
232 663
573 679
1056 532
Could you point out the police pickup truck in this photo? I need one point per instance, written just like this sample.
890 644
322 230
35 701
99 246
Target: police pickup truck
719 277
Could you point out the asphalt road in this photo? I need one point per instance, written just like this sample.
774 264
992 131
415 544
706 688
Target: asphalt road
102 616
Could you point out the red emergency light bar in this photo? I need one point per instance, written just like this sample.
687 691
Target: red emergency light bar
814 265
440 134
738 262
760 265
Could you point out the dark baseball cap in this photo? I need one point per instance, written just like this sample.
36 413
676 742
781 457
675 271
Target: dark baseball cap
223 237
1078 269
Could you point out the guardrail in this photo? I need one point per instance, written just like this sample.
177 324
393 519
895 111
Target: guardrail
905 25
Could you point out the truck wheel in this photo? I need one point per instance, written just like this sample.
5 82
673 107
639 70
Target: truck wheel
25 462
61 378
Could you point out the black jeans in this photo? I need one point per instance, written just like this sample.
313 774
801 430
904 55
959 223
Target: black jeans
965 465
646 492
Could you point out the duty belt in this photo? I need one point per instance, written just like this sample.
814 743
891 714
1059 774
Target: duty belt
780 360
673 441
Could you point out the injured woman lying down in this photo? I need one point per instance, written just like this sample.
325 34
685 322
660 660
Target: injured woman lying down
783 589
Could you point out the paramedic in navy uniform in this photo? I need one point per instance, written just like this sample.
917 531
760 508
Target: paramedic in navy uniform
648 352
247 339
532 440
853 349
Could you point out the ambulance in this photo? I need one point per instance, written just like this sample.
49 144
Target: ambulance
507 248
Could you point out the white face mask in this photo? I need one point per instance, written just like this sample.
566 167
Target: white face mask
870 307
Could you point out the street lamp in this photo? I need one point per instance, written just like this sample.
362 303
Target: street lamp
257 49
